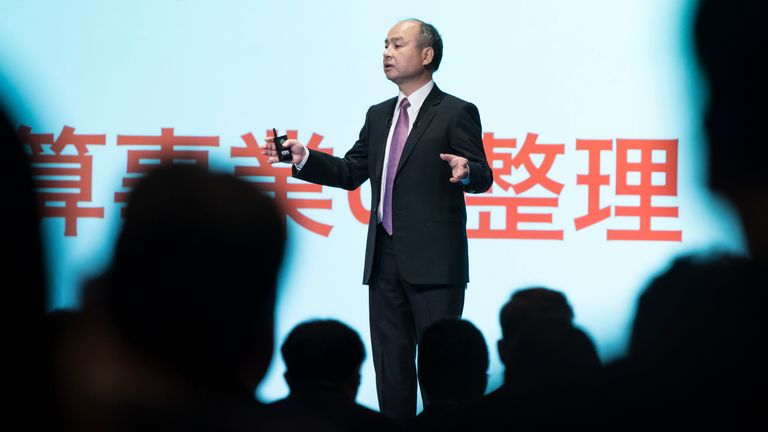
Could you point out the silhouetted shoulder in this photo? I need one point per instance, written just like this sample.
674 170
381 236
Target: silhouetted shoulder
326 409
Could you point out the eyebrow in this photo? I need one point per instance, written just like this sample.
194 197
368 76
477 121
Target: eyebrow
396 38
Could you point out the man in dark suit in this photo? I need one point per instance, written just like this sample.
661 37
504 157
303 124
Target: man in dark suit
421 150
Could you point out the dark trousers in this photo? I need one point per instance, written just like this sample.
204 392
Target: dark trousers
399 313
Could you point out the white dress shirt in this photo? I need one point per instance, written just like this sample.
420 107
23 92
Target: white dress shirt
416 100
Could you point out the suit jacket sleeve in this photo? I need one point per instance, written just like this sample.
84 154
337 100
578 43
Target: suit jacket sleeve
348 172
466 141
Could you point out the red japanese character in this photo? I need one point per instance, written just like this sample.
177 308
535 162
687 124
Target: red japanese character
643 170
593 180
511 206
57 175
167 154
282 183
537 174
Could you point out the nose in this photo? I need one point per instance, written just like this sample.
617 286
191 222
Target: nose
388 52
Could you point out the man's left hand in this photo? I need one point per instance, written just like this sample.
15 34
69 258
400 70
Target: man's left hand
459 166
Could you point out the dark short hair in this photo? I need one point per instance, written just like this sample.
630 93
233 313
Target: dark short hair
325 351
529 304
429 37
453 361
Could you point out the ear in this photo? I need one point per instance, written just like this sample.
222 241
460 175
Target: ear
427 54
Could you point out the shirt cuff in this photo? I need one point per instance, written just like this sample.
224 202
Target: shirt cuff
465 181
300 165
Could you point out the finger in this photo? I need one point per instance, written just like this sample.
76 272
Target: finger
447 157
458 173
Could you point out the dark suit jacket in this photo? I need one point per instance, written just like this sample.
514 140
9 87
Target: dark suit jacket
428 212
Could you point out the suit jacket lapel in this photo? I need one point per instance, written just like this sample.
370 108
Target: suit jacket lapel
426 114
380 141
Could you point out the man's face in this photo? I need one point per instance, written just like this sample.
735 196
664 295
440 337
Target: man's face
403 60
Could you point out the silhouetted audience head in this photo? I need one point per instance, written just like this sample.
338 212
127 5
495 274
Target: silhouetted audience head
193 279
526 306
695 354
552 373
730 39
20 228
323 353
24 276
552 357
701 320
452 362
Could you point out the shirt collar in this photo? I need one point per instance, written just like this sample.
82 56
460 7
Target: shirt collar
416 98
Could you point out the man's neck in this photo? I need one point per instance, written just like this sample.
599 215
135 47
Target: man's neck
409 87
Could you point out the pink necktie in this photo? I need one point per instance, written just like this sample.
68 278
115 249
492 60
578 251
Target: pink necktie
395 150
